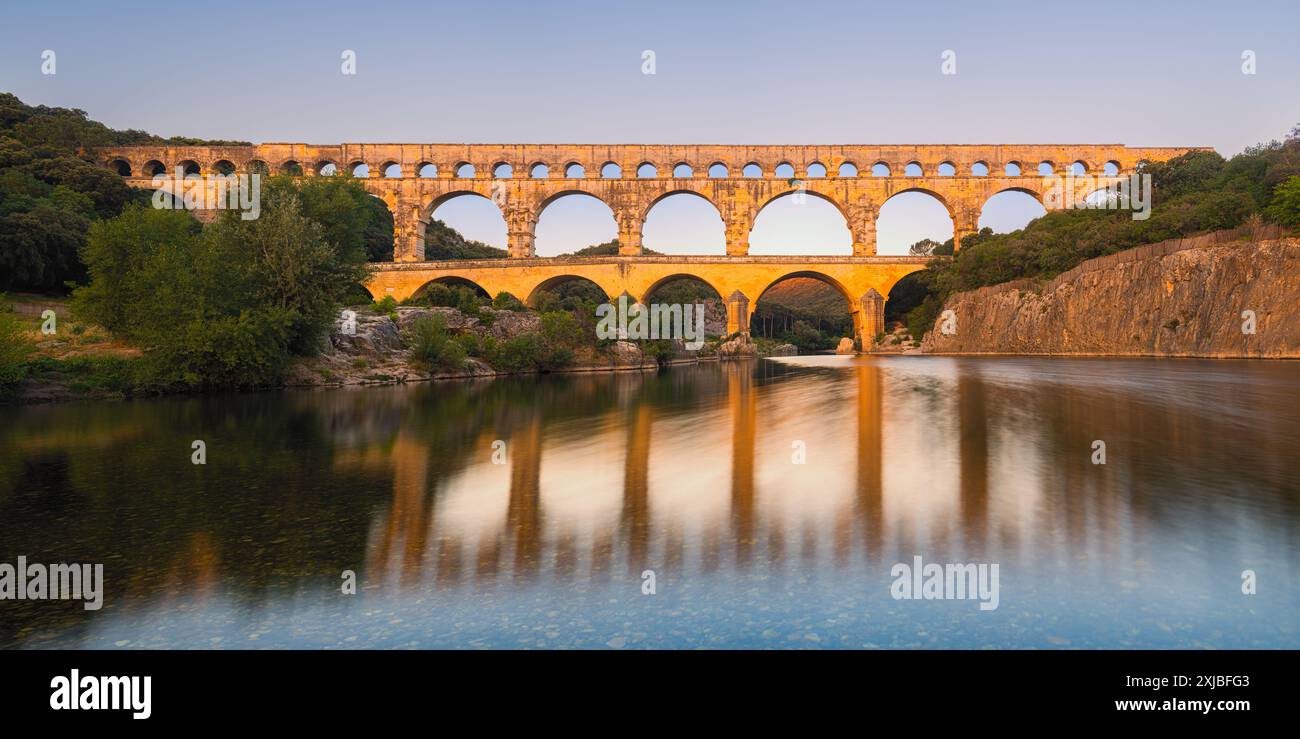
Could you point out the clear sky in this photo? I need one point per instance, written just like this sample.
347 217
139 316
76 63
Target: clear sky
1137 73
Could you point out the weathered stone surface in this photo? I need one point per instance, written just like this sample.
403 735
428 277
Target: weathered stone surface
738 346
507 324
522 197
784 350
1159 300
374 334
845 346
452 318
626 354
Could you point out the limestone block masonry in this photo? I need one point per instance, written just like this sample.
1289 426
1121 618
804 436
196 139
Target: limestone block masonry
523 179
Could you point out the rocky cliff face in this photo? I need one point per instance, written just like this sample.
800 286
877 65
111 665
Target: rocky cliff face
1177 298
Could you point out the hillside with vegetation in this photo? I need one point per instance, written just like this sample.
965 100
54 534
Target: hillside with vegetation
1194 193
51 191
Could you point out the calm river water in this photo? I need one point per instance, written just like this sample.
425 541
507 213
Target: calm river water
694 475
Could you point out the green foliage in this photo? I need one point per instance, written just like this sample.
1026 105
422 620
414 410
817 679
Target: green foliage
445 295
1285 206
387 305
660 350
432 346
441 242
561 329
921 318
552 347
607 249
224 306
548 302
357 223
522 353
506 301
14 348
808 338
50 193
924 247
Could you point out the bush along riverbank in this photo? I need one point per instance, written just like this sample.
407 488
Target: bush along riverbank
466 336
387 343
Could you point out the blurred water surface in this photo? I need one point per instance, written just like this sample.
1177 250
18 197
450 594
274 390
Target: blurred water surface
690 474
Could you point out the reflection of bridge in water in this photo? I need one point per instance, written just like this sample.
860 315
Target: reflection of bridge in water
523 521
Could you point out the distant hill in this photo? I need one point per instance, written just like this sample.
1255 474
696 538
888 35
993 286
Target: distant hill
444 242
808 295
607 249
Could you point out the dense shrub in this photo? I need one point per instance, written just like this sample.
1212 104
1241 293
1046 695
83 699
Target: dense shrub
506 301
432 346
14 348
224 305
1285 208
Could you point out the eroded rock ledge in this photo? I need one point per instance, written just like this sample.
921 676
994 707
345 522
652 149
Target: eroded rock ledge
1181 298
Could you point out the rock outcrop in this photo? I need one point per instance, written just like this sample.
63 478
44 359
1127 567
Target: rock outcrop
1177 298
376 353
784 350
845 346
737 347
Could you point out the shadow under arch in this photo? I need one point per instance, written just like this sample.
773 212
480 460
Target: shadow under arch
779 321
667 280
358 294
906 294
846 237
450 281
576 284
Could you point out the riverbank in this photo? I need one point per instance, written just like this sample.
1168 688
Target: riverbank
81 362
1195 297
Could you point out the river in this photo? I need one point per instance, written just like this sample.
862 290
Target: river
745 504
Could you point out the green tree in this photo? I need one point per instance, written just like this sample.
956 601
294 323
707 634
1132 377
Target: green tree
1285 208
225 306
14 348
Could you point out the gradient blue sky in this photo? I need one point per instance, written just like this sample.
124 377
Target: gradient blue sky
1138 73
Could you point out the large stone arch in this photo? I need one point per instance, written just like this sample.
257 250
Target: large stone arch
823 189
548 198
702 190
528 219
853 304
809 273
462 189
935 193
611 291
453 279
1034 194
954 205
643 293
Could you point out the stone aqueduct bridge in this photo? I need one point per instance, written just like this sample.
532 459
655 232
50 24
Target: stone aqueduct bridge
739 181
